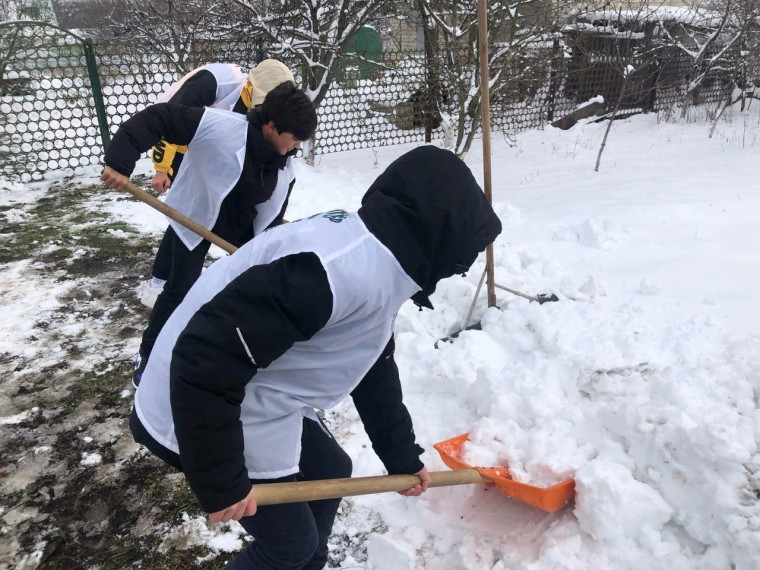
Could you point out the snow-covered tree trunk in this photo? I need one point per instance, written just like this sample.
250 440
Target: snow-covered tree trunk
308 147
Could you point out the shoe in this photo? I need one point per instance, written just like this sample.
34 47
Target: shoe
149 291
140 364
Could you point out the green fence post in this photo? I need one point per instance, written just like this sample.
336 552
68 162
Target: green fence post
97 93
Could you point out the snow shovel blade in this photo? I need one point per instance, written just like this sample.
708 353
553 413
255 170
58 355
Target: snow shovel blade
452 336
540 298
548 499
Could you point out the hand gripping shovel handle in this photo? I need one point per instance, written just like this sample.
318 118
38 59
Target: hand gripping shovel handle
179 218
296 492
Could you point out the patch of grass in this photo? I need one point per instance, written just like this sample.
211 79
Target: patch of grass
180 501
66 450
102 386
87 516
42 485
57 200
143 557
68 406
24 240
104 252
67 551
164 488
61 219
121 314
97 516
95 519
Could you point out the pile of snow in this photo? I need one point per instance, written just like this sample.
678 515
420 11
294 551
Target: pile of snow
641 382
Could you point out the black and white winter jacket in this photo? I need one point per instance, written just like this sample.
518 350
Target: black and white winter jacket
300 318
230 176
217 85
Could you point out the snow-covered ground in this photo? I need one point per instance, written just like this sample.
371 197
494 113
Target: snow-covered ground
641 382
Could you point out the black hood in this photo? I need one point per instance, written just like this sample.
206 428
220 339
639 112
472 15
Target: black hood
430 212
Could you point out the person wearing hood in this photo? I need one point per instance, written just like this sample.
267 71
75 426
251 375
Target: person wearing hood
235 179
293 322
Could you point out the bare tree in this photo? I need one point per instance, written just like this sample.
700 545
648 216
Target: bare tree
18 43
309 35
712 36
624 57
313 33
171 29
9 9
726 51
85 15
518 30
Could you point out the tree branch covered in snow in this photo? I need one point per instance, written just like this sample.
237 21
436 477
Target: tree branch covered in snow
9 10
519 33
312 32
714 36
171 28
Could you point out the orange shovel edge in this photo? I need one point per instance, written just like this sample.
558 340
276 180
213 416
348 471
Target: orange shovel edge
548 499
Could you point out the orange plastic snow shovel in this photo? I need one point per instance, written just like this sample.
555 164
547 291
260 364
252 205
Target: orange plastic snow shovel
548 499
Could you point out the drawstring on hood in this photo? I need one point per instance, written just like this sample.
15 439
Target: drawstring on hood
429 211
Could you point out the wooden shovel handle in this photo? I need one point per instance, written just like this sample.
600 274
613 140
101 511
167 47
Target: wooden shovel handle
179 218
278 493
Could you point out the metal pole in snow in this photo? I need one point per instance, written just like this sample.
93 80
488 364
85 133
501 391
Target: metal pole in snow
486 127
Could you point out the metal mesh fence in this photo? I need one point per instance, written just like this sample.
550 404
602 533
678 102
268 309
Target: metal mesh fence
133 78
48 118
383 109
391 105
356 112
52 114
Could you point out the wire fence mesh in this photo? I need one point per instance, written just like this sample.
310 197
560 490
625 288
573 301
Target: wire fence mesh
60 99
48 118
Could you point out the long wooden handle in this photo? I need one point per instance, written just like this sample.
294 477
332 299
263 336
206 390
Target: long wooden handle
180 218
278 493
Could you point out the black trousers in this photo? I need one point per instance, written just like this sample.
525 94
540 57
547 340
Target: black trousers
180 267
162 265
292 536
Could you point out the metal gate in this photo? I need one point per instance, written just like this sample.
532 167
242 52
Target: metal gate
51 109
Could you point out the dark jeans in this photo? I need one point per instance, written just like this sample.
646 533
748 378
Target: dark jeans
294 536
184 268
290 536
162 265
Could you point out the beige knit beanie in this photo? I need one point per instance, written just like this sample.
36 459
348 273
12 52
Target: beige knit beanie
267 75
